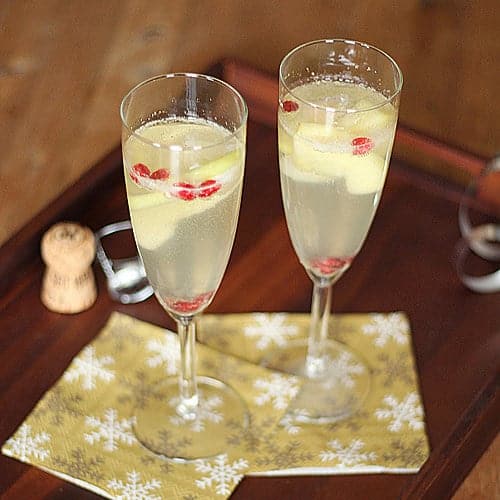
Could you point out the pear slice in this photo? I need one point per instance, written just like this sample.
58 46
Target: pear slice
141 201
322 149
365 174
375 120
215 168
285 142
319 132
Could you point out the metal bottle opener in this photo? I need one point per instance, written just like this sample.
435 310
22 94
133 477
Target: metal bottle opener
126 278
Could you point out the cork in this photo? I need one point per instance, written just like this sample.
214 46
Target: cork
68 250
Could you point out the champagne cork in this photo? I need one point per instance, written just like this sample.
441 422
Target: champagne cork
68 250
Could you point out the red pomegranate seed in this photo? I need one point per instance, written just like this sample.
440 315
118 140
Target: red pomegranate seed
362 145
184 191
139 170
162 174
188 306
331 264
208 188
289 106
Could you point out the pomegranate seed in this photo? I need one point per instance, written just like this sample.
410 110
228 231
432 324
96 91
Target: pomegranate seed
162 174
208 188
188 306
184 191
139 170
362 145
331 264
289 106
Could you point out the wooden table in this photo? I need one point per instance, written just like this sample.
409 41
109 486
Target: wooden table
406 264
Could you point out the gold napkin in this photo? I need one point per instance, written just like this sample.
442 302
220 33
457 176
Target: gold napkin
82 428
386 435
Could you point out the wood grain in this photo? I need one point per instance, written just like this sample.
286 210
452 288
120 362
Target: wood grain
64 67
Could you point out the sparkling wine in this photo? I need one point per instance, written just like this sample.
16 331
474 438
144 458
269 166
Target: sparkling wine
333 163
184 211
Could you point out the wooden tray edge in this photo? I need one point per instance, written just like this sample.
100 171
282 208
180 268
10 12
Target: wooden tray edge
455 457
450 463
18 251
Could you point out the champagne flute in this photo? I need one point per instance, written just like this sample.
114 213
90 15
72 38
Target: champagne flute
337 118
183 144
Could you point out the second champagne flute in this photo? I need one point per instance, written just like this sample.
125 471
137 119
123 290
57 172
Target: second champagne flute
337 117
183 145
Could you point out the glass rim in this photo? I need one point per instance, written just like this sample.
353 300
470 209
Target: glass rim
345 41
184 75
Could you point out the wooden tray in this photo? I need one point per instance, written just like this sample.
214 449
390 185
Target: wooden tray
406 264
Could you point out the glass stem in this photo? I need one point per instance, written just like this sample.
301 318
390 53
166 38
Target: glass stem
188 389
318 332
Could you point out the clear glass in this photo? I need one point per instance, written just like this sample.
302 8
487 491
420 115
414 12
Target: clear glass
337 118
183 143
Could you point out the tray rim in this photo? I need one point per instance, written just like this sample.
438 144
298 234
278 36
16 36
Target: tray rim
448 464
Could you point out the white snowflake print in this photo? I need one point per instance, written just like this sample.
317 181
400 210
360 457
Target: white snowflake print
387 326
290 426
342 371
24 445
166 352
347 456
277 389
111 430
205 412
133 489
88 367
270 329
220 473
408 411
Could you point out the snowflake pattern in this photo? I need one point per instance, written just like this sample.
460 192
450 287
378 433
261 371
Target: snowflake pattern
166 352
111 430
134 489
342 371
347 456
165 466
252 437
168 441
25 445
269 329
385 327
408 411
58 405
220 473
290 425
205 412
353 424
88 367
408 454
286 456
394 369
77 464
138 390
277 389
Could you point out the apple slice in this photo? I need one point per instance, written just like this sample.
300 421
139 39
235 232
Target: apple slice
322 149
365 174
376 120
285 141
150 199
214 168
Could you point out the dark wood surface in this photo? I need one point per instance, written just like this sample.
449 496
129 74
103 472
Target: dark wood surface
406 264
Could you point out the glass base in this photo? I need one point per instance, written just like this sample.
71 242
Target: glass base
331 392
160 427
